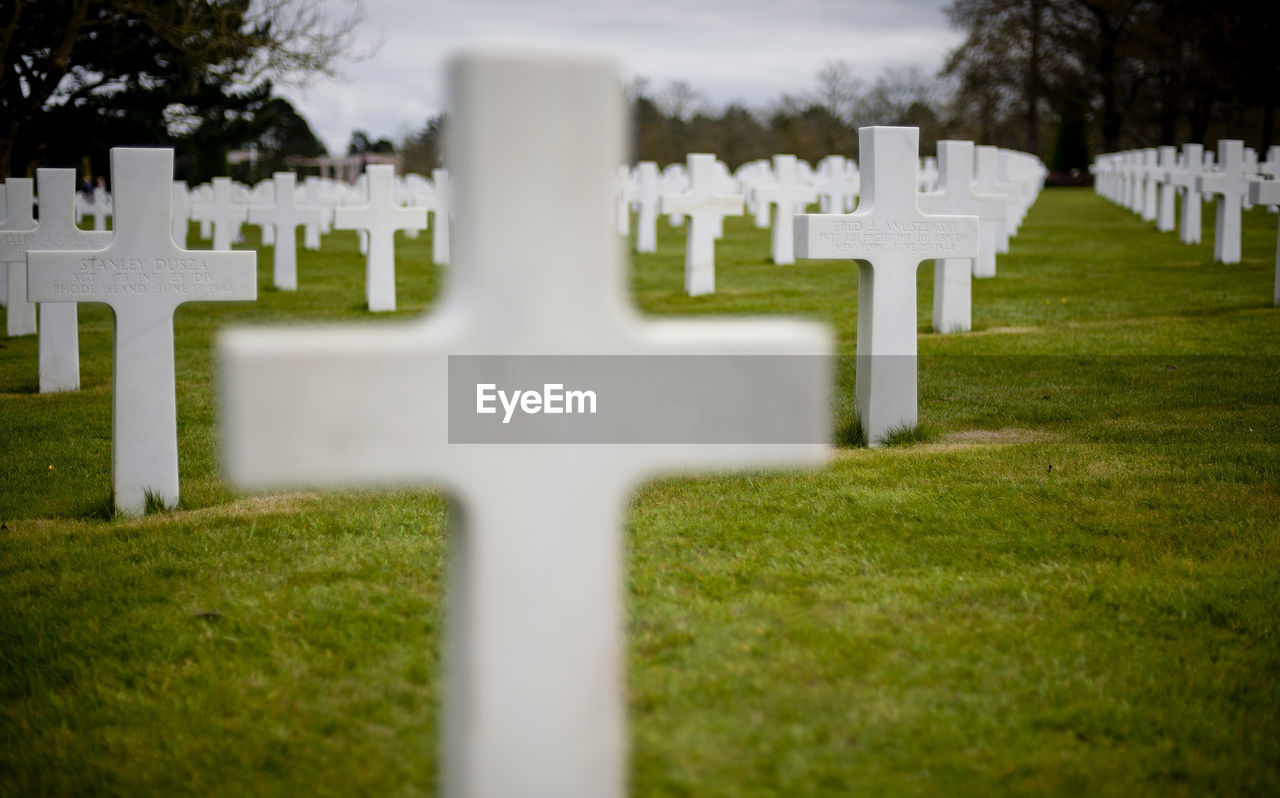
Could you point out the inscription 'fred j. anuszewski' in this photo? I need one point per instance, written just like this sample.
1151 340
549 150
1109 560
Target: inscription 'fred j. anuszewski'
904 236
553 399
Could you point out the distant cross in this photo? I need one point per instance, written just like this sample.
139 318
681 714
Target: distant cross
58 345
100 208
314 187
1135 187
928 175
626 194
181 213
706 208
1186 176
1150 172
836 192
1229 184
889 237
785 194
20 315
4 268
534 699
286 216
223 211
441 209
952 283
380 218
647 197
1271 167
1167 162
1267 192
144 277
986 179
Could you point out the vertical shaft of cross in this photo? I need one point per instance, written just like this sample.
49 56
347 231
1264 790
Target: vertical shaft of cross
144 406
543 699
20 315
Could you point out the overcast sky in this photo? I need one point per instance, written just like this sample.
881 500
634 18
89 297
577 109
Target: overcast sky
749 51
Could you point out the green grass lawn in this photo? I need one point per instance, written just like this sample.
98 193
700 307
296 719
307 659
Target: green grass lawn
1069 584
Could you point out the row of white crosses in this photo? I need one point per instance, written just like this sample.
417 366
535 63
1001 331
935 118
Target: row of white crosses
143 275
773 192
1145 181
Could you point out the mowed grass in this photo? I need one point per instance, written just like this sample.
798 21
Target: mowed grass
1066 583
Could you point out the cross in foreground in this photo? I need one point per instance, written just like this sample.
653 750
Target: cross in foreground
144 277
889 237
534 700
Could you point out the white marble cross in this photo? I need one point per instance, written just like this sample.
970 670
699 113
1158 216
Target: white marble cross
836 191
952 283
889 237
380 217
1267 192
647 207
986 179
534 701
1229 184
144 277
626 194
441 210
1149 173
786 193
1167 161
929 175
99 208
4 267
59 344
20 315
286 216
223 211
1185 176
181 213
706 208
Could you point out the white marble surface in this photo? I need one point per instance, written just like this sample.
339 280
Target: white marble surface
20 315
59 344
705 205
143 276
534 685
1228 184
955 196
380 217
1186 177
285 215
785 194
181 213
1267 192
1149 173
223 211
646 207
986 179
1165 202
889 237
